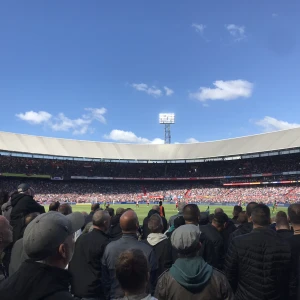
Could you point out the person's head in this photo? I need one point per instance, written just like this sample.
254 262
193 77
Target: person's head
111 211
65 209
49 238
84 213
236 210
249 208
219 221
181 206
282 223
294 214
191 214
281 214
95 206
129 222
120 211
4 196
204 218
160 203
30 217
155 207
219 210
25 188
261 215
54 206
6 235
101 220
132 272
242 218
186 240
155 224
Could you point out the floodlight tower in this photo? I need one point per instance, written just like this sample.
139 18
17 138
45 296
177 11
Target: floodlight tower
167 119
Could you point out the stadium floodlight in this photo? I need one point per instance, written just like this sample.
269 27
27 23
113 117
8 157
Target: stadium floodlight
167 119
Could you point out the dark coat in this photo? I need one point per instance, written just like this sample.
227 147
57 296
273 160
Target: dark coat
285 233
22 205
242 229
257 266
36 281
227 232
85 266
115 231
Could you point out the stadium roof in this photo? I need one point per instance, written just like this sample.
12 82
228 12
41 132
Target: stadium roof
279 140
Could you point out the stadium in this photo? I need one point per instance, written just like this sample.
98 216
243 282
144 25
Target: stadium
262 168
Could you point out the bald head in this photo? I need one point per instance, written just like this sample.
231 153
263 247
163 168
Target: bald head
101 219
219 210
129 222
155 207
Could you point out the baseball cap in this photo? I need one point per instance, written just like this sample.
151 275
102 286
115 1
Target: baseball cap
23 187
47 231
185 239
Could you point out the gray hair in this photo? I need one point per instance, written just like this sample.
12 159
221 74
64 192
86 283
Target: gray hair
100 217
155 224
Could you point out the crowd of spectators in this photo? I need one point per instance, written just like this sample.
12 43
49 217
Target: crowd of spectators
67 168
52 256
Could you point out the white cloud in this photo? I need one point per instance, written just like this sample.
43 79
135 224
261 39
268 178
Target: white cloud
33 117
152 91
238 32
224 90
274 15
191 140
129 137
61 122
199 28
169 92
272 124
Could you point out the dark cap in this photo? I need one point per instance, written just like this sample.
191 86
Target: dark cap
46 232
23 187
185 239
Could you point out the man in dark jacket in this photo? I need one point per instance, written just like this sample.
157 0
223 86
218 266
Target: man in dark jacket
115 231
50 249
22 205
191 277
191 214
129 224
244 228
236 210
283 228
257 264
160 243
154 210
213 232
85 266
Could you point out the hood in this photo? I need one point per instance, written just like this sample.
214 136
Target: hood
17 198
115 220
43 281
155 238
152 212
192 273
246 228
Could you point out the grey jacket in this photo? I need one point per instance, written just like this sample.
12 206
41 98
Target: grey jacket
18 256
111 285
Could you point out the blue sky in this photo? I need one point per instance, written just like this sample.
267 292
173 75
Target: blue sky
104 70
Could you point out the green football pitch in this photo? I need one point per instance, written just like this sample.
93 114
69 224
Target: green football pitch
170 210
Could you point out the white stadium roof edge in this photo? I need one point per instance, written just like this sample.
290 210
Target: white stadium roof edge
36 145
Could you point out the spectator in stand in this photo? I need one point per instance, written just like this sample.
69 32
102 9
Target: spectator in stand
85 266
161 209
111 211
115 231
294 216
89 218
6 238
179 221
283 228
132 272
54 206
213 233
50 249
191 215
22 204
130 225
236 210
160 243
191 277
242 219
7 207
18 255
245 228
181 205
4 197
257 264
65 209
219 210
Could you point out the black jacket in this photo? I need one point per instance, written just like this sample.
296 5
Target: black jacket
146 230
115 231
163 250
227 232
22 205
36 281
257 266
85 266
285 233
242 229
216 238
